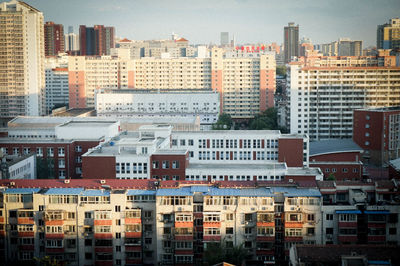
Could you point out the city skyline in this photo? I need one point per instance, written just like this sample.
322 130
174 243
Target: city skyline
201 22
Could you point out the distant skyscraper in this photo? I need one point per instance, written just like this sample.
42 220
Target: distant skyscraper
71 42
53 38
96 40
291 41
388 35
22 79
70 29
347 47
224 38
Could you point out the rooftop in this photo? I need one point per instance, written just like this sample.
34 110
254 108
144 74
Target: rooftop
228 166
333 146
381 109
395 164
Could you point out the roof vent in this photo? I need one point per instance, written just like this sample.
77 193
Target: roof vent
103 181
66 181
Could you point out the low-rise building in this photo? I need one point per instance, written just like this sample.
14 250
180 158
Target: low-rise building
134 103
339 159
18 167
58 142
377 131
160 153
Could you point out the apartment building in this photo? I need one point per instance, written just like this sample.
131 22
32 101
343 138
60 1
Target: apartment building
360 212
127 103
22 66
377 131
86 74
324 91
246 85
158 152
59 142
96 40
388 35
53 38
117 222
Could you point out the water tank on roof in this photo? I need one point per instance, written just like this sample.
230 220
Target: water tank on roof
111 143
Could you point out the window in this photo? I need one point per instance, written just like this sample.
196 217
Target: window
78 148
118 235
329 217
229 216
165 164
310 231
191 142
392 231
329 230
88 215
310 217
155 165
347 217
117 208
61 152
175 165
229 230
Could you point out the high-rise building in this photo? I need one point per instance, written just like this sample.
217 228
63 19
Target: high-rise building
70 29
388 35
22 79
57 90
97 40
224 38
291 41
53 38
347 47
71 42
324 91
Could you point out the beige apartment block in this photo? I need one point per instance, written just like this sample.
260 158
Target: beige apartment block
22 79
324 91
246 85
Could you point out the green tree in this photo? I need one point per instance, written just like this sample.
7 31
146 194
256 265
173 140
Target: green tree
44 168
224 122
265 120
331 177
47 261
281 71
217 252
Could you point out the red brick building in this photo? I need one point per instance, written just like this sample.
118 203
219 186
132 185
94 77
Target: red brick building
338 157
53 38
377 132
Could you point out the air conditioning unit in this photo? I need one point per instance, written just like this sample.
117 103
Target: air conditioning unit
103 181
66 181
247 222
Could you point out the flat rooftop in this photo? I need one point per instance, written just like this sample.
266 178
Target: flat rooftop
380 109
227 166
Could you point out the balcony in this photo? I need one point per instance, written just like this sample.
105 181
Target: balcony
133 234
211 224
211 238
183 224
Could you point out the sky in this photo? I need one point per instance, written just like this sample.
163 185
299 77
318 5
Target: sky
202 21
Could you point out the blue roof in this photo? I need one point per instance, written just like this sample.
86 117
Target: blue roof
133 192
184 191
377 212
95 192
21 190
297 192
63 191
378 262
199 188
348 211
332 146
256 192
213 191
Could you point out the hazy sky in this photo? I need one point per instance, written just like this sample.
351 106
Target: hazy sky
201 21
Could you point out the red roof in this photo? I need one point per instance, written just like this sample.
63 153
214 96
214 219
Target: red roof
125 40
182 40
